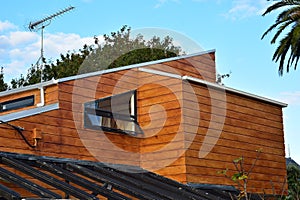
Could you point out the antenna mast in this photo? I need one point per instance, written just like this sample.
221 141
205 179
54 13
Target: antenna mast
40 25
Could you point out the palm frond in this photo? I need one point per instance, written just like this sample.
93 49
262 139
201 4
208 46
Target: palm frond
281 52
290 13
284 16
279 31
280 4
295 48
288 49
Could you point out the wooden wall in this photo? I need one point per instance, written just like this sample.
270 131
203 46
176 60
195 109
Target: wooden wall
10 140
190 132
51 96
62 130
248 125
160 116
63 134
199 66
101 146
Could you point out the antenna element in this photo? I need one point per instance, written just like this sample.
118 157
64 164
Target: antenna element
34 25
40 25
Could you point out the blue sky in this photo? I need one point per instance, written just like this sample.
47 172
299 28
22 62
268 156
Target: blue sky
232 27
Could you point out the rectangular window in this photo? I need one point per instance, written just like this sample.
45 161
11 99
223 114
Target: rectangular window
116 113
17 103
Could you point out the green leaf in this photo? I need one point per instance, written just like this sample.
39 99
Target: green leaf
222 171
236 176
239 176
238 159
243 177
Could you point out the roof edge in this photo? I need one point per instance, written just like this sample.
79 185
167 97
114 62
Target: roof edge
214 85
70 78
189 78
29 87
134 66
28 113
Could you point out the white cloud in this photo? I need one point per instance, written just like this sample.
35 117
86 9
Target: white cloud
22 37
4 41
6 25
55 44
246 8
160 3
292 98
20 49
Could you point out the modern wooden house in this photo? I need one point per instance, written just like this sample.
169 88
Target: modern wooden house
168 116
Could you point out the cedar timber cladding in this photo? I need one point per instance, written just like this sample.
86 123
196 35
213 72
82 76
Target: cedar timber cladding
247 125
192 127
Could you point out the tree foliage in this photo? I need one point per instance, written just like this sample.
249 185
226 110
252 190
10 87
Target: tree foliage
3 85
119 49
288 49
293 178
241 176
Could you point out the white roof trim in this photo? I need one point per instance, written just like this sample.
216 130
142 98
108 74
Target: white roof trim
29 112
52 82
27 88
189 78
134 66
161 73
210 84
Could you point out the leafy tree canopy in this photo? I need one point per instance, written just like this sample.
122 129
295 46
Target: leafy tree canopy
118 49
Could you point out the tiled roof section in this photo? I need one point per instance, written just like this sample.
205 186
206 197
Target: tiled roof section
88 180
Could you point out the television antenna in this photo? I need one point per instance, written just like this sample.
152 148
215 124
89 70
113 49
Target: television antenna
40 25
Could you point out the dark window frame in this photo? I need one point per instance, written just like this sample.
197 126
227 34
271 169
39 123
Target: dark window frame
94 108
15 104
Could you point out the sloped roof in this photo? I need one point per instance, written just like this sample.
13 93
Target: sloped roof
291 162
101 72
88 180
142 67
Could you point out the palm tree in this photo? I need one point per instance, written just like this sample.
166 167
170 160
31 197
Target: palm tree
288 19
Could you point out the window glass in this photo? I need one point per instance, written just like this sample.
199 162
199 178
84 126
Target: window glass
115 113
17 103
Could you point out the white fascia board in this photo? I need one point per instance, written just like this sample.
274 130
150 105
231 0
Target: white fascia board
189 78
161 73
214 85
97 73
138 65
27 88
28 113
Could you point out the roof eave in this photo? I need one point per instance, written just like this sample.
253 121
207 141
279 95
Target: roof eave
28 88
52 82
133 66
189 78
